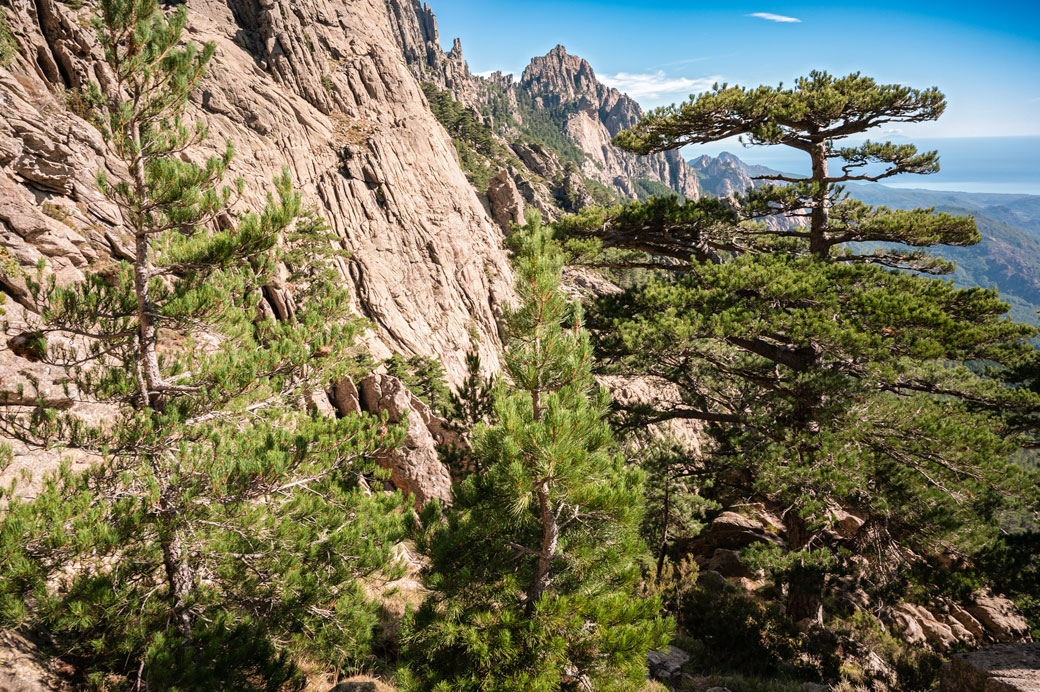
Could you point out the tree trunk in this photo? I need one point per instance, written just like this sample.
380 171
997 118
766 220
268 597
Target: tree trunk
804 603
547 550
180 575
818 220
664 525
804 588
181 578
149 359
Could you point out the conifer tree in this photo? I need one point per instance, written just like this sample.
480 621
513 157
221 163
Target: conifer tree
674 503
223 529
813 117
535 569
825 378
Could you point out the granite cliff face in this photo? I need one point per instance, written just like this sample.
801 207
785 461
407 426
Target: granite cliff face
319 86
558 112
600 112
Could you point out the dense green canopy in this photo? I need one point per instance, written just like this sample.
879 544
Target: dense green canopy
536 569
827 379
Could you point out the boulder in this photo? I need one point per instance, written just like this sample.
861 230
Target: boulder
938 634
999 616
911 629
345 396
728 564
732 530
361 683
967 621
507 206
845 524
666 663
415 466
1000 668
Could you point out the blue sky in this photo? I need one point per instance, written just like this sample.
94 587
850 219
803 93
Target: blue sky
984 56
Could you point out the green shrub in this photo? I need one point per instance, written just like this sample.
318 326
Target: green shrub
86 102
424 378
737 632
8 44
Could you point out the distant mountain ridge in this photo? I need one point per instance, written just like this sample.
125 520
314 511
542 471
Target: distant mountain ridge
1007 258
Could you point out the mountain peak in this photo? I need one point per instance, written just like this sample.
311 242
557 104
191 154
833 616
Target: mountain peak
561 74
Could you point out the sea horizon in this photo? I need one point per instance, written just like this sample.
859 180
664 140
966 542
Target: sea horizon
992 164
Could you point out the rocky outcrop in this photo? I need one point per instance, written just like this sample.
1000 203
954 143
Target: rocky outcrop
507 206
941 625
667 663
415 466
732 530
985 618
1002 668
595 113
998 616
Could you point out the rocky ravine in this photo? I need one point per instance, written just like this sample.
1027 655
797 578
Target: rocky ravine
320 86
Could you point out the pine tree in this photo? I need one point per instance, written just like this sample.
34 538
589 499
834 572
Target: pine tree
674 503
223 529
825 378
535 569
818 112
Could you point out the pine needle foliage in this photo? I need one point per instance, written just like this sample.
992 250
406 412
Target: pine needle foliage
813 117
223 529
825 378
536 567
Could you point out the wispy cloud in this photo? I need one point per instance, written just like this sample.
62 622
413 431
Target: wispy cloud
687 61
1035 100
656 86
769 16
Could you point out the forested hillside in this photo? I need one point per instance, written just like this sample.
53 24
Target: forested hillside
329 366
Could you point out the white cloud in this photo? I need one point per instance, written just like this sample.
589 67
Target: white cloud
657 86
774 17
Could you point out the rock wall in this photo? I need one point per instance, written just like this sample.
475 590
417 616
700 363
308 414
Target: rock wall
319 86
